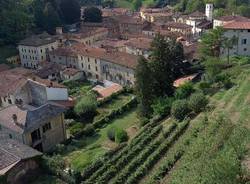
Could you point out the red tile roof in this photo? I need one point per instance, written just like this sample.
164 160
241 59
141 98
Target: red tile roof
141 43
232 18
70 71
105 92
183 80
237 25
4 67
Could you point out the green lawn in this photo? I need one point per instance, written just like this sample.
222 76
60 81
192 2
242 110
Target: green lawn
83 152
115 103
7 51
78 88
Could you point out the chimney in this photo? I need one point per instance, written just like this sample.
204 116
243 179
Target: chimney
14 117
59 30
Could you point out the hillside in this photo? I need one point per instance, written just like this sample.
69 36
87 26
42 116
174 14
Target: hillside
208 148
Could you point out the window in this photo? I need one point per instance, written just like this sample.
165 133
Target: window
89 67
10 136
41 50
88 59
46 127
0 127
244 41
35 136
245 49
82 65
9 101
96 69
95 61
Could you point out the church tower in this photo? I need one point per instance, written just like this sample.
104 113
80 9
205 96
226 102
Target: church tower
209 11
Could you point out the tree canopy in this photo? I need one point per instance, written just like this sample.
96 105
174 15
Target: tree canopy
92 14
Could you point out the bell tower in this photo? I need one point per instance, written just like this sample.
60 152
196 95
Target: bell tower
209 11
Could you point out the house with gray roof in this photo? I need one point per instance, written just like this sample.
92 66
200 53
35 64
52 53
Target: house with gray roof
34 49
16 160
38 127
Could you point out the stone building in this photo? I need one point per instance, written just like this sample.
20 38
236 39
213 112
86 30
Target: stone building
221 21
35 49
17 161
98 63
38 127
139 46
241 32
17 88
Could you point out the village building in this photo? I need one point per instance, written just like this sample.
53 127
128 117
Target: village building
24 88
112 44
139 46
17 161
156 14
35 49
98 63
221 21
88 35
110 12
14 60
240 31
70 74
41 128
183 29
50 71
4 67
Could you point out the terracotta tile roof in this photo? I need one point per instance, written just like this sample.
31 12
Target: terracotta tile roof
141 43
14 79
237 25
49 68
183 80
230 18
125 19
105 92
70 71
87 32
38 40
28 117
12 152
197 14
4 67
177 25
119 58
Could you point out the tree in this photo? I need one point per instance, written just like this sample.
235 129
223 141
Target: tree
143 87
197 102
16 20
71 11
52 18
228 44
137 4
120 136
92 14
165 59
86 106
180 109
184 91
211 43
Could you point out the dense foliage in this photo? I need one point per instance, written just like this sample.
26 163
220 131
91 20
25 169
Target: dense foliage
92 14
86 106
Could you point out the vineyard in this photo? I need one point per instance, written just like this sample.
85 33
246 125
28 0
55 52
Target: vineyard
163 150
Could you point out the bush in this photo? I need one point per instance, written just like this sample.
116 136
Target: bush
184 91
86 106
111 133
121 136
89 130
76 128
180 109
204 86
162 106
197 102
53 164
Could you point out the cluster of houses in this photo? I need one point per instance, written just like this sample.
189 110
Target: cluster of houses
32 99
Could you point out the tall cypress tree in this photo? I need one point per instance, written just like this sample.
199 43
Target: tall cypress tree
144 87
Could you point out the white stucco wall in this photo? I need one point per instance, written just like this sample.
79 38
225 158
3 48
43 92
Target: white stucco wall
57 93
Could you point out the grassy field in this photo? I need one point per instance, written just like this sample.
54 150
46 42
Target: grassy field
234 106
84 151
78 88
116 103
7 51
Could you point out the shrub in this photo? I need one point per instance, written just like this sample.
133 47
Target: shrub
204 86
162 106
76 128
197 102
86 106
53 164
89 130
184 91
111 133
180 109
121 136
